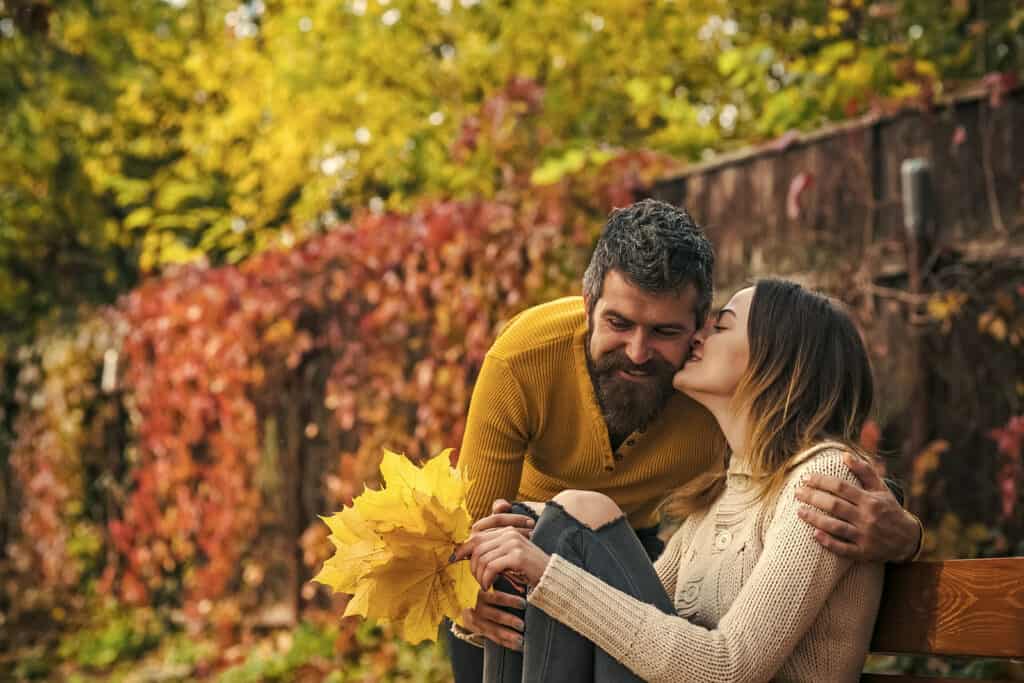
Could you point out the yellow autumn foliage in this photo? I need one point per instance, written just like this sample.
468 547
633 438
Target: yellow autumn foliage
392 548
138 135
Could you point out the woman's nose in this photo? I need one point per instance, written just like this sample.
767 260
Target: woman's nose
700 335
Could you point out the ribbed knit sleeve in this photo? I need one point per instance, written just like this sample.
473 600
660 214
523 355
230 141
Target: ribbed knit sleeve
788 588
496 437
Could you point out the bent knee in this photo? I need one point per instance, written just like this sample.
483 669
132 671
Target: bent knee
590 507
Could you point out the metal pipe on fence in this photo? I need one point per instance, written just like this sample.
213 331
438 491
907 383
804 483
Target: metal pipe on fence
918 215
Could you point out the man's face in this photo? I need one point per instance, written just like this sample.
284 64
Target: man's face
636 342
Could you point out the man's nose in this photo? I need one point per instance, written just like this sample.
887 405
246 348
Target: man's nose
637 349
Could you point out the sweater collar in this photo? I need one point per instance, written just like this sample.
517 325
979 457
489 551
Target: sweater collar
739 465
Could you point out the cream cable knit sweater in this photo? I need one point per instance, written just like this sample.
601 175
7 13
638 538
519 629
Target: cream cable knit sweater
757 597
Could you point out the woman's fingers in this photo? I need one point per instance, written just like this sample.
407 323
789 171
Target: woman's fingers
503 519
487 541
474 558
477 562
500 519
480 571
462 551
490 539
491 566
507 552
478 565
496 556
466 549
500 551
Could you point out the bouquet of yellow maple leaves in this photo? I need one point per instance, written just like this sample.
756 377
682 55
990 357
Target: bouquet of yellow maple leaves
393 548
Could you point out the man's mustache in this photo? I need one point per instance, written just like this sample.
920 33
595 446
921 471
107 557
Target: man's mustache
614 361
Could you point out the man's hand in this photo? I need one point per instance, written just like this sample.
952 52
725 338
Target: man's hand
861 524
496 624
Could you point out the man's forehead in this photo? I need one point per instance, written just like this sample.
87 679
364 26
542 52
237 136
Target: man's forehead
656 308
678 315
618 284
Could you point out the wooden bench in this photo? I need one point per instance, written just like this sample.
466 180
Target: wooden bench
972 608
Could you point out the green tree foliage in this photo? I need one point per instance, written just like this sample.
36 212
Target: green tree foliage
149 133
790 64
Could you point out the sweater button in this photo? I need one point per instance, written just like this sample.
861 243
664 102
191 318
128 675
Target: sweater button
690 594
722 540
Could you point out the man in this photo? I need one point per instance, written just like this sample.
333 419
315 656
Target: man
577 394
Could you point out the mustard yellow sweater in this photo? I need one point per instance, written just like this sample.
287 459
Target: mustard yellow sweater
535 428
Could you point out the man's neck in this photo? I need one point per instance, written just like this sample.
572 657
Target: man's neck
616 439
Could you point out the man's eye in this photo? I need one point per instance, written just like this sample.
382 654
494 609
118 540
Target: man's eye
618 324
669 332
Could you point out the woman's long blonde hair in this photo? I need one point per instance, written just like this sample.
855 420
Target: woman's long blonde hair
808 380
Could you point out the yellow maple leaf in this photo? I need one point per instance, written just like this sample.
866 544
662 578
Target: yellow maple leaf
392 548
414 591
357 551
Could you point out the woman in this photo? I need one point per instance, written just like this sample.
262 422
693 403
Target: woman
742 592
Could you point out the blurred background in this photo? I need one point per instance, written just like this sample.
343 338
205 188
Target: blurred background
244 246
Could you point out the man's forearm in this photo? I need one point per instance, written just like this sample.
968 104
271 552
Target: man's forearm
919 547
898 491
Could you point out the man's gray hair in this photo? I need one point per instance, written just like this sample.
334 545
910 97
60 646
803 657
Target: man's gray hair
658 248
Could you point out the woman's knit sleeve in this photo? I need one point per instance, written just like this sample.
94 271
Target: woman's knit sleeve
790 583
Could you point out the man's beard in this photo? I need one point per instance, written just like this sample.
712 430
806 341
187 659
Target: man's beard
629 405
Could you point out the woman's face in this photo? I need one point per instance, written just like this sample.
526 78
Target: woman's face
719 354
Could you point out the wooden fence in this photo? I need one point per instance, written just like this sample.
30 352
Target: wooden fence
808 204
826 208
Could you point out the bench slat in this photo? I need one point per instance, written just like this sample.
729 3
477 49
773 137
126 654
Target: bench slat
883 678
957 607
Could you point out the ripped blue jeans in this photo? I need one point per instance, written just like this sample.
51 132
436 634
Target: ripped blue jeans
553 652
